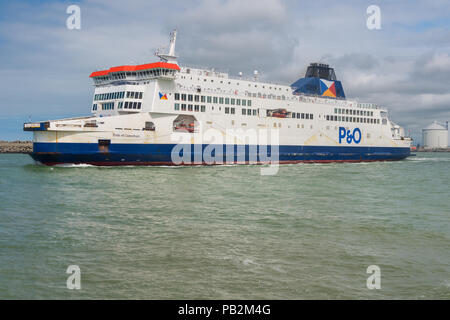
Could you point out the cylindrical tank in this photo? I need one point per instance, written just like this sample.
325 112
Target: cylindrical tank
435 136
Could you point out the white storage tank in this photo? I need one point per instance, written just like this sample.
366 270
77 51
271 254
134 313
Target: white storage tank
435 136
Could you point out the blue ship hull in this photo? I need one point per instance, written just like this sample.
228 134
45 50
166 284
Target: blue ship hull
161 154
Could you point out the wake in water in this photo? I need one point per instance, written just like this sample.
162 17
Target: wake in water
427 159
74 165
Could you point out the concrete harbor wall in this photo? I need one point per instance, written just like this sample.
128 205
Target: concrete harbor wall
16 146
19 146
422 149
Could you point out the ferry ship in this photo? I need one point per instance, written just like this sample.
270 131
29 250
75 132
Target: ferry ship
158 114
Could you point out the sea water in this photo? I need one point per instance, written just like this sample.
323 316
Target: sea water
226 232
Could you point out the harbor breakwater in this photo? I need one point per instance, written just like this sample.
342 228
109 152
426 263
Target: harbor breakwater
17 146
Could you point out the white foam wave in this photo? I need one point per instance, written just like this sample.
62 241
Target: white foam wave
427 159
74 165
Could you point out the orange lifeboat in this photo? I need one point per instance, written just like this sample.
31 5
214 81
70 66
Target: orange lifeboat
281 113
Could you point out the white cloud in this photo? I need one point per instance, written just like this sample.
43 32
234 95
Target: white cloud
438 63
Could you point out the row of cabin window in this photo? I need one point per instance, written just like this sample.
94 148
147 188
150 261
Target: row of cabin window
247 112
190 107
134 95
210 99
109 96
130 105
108 106
354 112
118 95
120 105
353 119
299 115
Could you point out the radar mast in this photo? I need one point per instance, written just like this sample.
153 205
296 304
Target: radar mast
169 57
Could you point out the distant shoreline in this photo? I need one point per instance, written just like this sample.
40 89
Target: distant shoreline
18 146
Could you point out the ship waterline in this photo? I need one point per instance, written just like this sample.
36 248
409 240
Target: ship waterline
163 154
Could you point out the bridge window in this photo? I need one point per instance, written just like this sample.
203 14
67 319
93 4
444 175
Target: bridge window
177 106
202 108
183 107
196 108
177 96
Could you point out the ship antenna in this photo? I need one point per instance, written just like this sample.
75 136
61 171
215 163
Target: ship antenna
169 57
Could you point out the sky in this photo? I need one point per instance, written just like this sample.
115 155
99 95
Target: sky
404 66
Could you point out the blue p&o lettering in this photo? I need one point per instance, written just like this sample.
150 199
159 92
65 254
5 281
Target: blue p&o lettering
349 136
359 135
342 133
